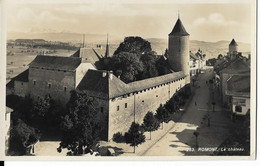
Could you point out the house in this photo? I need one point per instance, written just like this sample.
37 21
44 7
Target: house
238 91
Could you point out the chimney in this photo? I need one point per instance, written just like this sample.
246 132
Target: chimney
104 74
110 74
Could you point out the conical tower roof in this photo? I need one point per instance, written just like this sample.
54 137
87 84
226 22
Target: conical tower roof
233 43
179 29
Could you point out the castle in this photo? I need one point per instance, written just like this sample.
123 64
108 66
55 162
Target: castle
118 104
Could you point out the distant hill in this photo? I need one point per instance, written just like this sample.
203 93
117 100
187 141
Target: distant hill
211 49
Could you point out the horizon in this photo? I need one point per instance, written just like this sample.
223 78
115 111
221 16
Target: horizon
213 22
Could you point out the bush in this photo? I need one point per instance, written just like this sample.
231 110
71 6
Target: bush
118 137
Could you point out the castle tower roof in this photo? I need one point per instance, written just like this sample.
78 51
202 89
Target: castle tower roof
233 43
179 29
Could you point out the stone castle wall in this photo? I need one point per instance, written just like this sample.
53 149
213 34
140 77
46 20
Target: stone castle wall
58 80
138 104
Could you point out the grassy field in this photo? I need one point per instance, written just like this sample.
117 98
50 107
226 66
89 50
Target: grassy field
18 58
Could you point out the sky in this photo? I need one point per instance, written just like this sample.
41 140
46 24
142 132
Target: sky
207 22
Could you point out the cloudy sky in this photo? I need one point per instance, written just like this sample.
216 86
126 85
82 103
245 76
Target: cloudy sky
208 22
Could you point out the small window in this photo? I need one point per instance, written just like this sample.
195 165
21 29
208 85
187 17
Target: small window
65 89
156 95
21 83
101 109
143 101
238 108
117 108
49 85
34 82
125 105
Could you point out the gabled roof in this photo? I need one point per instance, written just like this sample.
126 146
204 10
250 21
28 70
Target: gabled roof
235 65
56 62
194 57
90 55
97 83
23 77
179 29
233 43
239 85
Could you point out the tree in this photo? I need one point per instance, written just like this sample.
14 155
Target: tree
22 137
42 106
171 106
149 63
136 45
128 64
80 125
150 123
135 135
220 56
162 114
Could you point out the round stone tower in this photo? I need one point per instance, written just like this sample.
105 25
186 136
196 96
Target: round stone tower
178 46
232 47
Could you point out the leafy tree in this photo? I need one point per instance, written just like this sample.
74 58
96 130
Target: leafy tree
136 45
149 62
80 126
150 123
171 106
22 137
162 115
135 135
128 64
162 65
42 106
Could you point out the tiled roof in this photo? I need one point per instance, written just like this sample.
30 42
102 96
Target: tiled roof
235 65
179 29
239 85
99 85
56 62
20 77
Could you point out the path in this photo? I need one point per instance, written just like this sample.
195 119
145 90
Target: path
180 140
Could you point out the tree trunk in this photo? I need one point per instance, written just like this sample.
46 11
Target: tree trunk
162 125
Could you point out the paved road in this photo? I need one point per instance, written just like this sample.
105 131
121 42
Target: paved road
180 140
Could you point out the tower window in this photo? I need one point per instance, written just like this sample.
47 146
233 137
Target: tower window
125 105
49 85
65 89
34 82
21 83
117 108
101 109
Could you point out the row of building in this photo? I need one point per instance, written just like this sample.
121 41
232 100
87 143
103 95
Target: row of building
232 75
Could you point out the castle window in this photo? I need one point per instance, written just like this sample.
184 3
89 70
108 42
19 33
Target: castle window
65 89
34 82
125 105
101 109
117 108
156 95
143 101
49 85
21 83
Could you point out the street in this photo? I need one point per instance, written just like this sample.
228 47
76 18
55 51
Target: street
180 140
